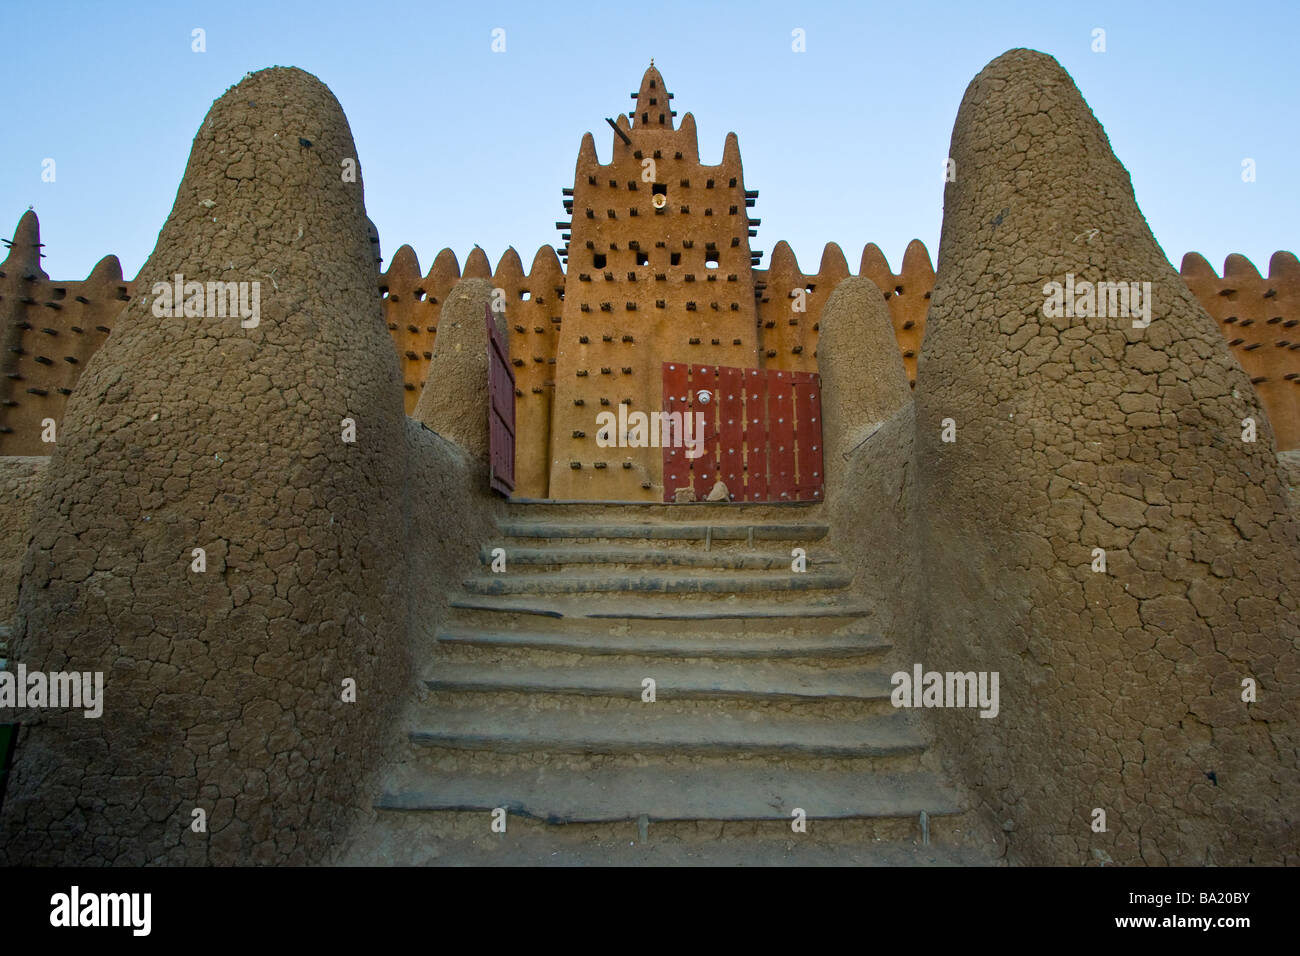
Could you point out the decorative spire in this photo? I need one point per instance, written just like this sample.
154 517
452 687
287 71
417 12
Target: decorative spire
653 102
24 259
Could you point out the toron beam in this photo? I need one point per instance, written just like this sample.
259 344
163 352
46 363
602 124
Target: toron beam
622 135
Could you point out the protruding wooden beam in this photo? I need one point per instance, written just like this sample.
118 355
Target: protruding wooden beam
621 135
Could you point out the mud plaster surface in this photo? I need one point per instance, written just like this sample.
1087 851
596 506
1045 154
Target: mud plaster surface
1122 690
223 688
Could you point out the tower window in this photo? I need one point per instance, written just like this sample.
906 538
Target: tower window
642 259
710 260
659 189
675 258
598 260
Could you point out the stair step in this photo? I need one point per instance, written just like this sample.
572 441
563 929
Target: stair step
672 680
698 583
673 645
516 729
524 509
662 794
690 531
757 560
655 610
406 840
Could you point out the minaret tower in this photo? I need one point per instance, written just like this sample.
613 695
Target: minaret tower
659 270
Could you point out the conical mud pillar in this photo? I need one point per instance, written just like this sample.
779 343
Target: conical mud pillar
454 402
1104 524
869 423
219 536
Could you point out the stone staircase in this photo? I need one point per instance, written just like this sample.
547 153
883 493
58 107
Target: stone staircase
770 694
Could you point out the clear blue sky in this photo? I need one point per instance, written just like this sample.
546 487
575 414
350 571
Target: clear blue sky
460 145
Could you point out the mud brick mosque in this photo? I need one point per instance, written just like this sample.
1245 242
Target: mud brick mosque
398 484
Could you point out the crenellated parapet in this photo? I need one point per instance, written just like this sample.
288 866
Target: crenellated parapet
907 293
790 302
51 328
790 306
411 306
533 303
1260 317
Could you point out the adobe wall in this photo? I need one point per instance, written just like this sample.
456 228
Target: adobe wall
20 483
51 329
1289 465
1260 318
225 688
1121 690
449 515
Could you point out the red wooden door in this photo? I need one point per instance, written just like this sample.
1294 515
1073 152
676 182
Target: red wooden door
762 432
809 476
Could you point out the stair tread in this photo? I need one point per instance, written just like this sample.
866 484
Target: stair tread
721 530
672 680
713 793
673 645
697 582
611 554
657 610
608 731
406 844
